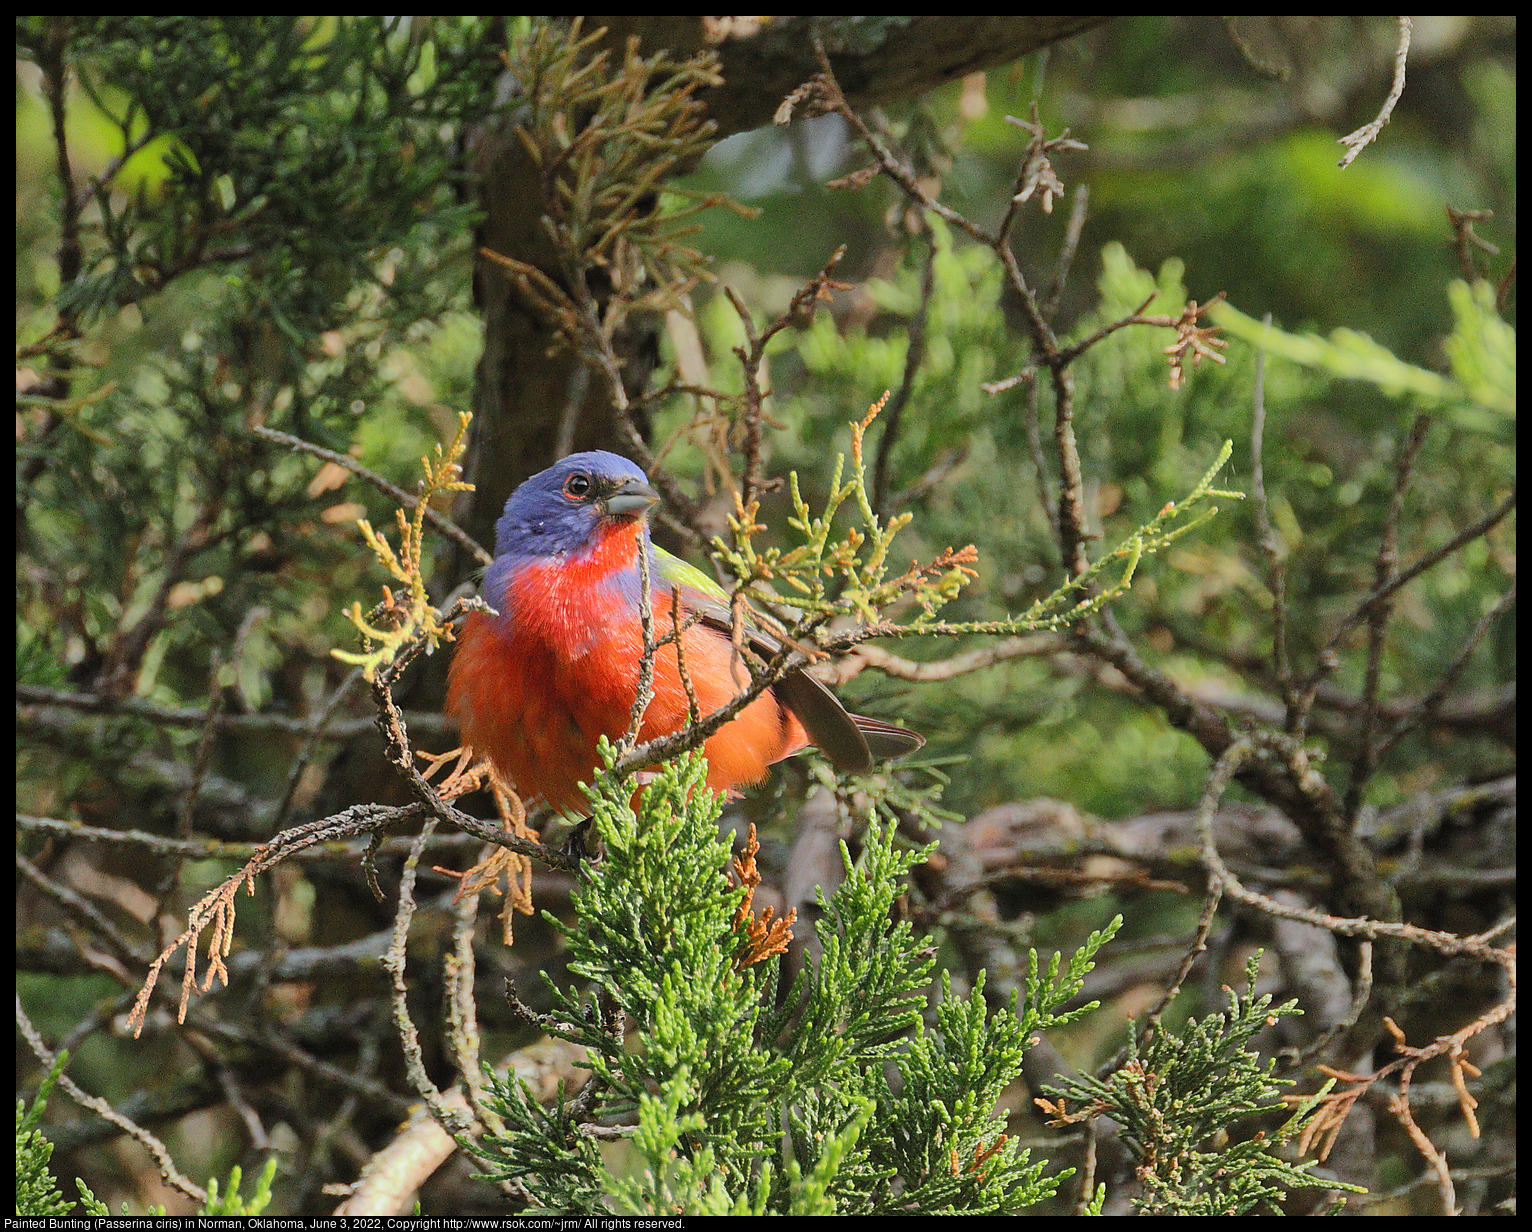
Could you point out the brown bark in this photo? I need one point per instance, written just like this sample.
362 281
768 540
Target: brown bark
532 403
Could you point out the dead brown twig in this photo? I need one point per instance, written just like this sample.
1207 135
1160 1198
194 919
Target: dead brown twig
762 936
1321 1132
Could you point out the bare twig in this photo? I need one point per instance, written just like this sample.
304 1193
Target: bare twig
890 165
84 911
1037 174
1136 317
397 1171
753 355
1272 72
1464 238
459 967
119 675
1077 215
900 668
1361 993
56 69
1244 748
1270 543
1378 616
643 692
305 753
220 849
216 909
1363 137
1328 659
914 356
394 963
185 716
442 523
1428 705
101 1108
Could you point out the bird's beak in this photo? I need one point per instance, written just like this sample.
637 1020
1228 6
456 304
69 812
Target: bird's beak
632 500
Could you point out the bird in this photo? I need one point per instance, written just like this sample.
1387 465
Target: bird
536 683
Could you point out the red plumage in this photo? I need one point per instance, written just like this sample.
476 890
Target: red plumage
535 693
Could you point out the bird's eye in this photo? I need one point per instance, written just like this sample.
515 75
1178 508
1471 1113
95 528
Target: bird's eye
577 486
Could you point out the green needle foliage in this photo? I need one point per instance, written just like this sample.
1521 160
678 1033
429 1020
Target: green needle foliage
1180 1099
37 1193
300 145
835 1095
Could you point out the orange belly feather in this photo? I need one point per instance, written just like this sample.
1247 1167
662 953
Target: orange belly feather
535 694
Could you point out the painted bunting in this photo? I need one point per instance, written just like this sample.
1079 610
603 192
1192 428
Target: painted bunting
534 686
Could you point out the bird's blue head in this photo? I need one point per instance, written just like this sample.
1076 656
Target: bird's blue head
561 512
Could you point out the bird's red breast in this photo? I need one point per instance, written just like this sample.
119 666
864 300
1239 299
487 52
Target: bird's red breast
535 687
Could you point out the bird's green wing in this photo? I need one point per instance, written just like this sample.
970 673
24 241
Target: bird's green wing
851 742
